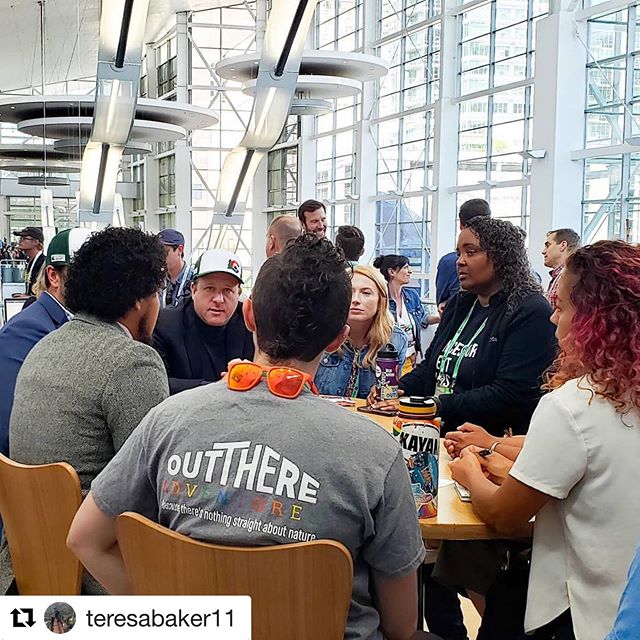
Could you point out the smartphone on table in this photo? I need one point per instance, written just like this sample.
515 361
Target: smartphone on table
378 412
463 493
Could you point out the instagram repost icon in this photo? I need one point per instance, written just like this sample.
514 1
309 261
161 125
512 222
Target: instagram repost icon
59 617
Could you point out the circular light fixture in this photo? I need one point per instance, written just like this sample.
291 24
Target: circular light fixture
41 181
309 107
75 147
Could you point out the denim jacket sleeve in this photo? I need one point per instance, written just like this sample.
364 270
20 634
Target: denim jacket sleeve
627 624
334 372
334 369
414 306
399 341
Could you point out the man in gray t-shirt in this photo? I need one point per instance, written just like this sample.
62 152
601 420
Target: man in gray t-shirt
252 468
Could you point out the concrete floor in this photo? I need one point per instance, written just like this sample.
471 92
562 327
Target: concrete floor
471 617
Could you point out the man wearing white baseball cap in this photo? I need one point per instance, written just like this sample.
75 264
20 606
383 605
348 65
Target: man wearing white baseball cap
197 338
28 327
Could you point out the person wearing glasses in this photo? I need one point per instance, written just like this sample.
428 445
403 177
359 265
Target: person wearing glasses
260 445
197 338
31 244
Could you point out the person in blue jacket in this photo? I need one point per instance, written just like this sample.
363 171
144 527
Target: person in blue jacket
28 327
627 624
447 283
351 371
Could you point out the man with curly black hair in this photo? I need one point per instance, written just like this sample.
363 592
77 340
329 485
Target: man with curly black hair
267 461
83 388
28 327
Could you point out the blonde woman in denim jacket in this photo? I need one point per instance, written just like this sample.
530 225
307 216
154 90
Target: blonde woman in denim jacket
351 371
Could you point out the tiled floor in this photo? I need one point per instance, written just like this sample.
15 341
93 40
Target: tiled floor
471 617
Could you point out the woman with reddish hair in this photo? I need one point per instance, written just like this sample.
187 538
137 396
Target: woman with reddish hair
578 472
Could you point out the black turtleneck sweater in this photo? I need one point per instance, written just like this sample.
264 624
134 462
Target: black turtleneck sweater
214 355
195 353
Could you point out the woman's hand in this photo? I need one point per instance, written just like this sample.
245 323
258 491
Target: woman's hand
373 400
429 320
496 467
467 434
466 468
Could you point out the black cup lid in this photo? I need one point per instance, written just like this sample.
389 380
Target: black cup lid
388 351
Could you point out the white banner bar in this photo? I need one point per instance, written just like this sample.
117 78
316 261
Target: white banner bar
126 617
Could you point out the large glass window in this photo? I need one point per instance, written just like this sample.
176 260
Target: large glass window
167 181
25 211
216 34
408 33
137 177
335 177
339 26
167 67
611 197
403 226
282 168
606 80
495 87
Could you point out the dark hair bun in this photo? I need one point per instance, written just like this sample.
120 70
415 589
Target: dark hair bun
377 263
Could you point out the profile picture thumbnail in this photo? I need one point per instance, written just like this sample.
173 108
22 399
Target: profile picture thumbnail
60 617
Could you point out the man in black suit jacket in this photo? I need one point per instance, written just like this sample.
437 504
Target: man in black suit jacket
197 338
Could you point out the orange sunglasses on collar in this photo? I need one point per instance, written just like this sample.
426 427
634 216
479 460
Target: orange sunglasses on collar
283 382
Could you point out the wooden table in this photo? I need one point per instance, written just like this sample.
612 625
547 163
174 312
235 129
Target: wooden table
456 520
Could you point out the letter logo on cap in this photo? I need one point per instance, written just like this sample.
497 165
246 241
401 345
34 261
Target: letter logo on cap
234 266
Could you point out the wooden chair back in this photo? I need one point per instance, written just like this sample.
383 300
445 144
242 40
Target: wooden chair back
298 591
38 504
